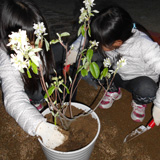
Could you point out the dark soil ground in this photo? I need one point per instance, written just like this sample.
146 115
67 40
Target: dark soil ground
116 123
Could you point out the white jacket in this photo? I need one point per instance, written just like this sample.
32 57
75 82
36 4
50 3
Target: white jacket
16 101
143 59
142 56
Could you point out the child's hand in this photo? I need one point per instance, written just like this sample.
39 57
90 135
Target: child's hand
71 57
156 115
50 135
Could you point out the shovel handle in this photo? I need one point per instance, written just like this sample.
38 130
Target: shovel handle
151 123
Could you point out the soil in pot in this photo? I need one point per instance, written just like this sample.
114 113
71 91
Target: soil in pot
81 132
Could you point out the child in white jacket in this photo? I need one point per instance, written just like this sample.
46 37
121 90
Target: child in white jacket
18 89
119 37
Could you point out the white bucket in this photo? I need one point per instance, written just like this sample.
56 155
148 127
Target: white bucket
80 154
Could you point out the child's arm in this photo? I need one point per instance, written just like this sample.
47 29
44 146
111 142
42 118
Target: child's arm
17 104
152 58
16 101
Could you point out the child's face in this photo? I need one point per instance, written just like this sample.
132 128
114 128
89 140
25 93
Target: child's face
115 45
108 48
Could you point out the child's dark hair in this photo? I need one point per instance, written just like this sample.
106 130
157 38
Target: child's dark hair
111 24
22 14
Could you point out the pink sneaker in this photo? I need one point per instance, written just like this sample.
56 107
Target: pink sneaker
138 112
109 98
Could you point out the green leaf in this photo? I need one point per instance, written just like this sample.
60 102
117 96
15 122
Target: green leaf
82 30
35 60
83 51
29 66
84 72
101 76
86 65
89 55
54 41
79 69
89 31
36 49
29 74
84 60
64 34
66 88
104 72
34 68
70 79
60 90
91 14
37 42
94 69
108 75
46 44
50 91
95 11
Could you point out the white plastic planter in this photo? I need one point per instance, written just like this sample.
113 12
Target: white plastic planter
80 154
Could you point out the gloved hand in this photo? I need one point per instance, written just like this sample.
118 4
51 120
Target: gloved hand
76 46
71 57
156 115
50 135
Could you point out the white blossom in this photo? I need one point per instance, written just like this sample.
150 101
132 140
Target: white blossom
93 44
24 51
18 39
88 3
122 62
83 16
107 62
18 62
87 12
40 29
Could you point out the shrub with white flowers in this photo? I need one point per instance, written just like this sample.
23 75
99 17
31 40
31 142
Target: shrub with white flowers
26 56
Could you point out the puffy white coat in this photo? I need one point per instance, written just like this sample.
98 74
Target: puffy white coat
16 101
143 59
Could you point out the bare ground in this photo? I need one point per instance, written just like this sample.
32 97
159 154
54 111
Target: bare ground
115 125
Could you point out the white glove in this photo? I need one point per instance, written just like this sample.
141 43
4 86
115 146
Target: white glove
156 115
71 57
50 135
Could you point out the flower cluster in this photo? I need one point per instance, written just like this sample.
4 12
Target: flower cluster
88 3
122 62
93 44
25 55
86 11
40 30
18 40
107 62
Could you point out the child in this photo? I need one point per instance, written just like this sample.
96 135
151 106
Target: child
119 36
19 91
